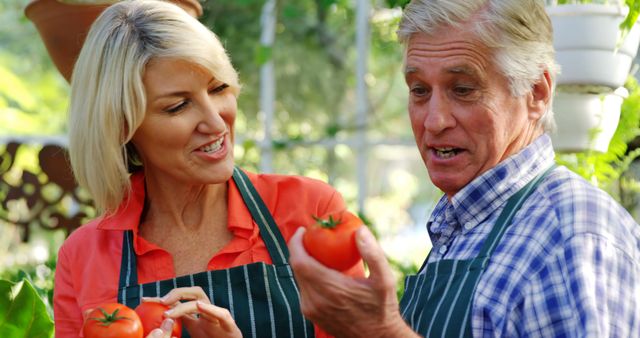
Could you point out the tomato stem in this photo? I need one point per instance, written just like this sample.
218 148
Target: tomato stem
329 223
109 318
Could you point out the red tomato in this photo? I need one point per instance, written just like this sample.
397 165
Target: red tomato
152 314
112 320
332 240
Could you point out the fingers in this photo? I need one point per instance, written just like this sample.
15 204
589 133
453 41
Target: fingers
206 311
86 313
374 256
204 317
187 293
164 331
296 248
216 313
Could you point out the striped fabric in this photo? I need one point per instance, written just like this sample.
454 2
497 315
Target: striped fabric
262 298
567 266
444 310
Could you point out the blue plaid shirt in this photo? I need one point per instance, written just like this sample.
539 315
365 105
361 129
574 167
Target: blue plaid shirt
568 265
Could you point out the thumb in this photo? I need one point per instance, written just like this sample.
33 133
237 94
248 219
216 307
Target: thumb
164 331
372 254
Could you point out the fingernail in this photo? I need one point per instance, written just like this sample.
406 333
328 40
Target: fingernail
168 312
364 236
167 325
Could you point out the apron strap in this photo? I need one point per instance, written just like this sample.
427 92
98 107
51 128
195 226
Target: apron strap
128 266
513 204
269 231
503 221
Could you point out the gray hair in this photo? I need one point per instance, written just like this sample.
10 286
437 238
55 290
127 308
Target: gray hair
519 31
108 100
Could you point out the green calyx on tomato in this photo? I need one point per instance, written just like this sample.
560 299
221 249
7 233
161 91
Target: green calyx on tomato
329 223
112 320
332 240
109 318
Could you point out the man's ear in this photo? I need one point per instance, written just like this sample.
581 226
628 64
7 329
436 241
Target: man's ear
540 96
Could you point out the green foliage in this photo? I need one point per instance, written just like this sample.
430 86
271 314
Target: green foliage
22 311
314 58
397 3
40 277
631 18
33 96
606 169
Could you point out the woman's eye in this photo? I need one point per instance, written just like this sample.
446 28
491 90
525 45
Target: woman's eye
177 108
218 88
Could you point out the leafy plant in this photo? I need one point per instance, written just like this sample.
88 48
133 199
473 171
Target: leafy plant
22 311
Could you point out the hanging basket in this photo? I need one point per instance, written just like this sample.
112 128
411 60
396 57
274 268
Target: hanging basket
586 121
64 26
586 43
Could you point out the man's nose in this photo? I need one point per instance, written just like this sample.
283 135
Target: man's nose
439 116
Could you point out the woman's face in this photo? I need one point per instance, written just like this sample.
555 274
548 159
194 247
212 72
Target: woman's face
187 131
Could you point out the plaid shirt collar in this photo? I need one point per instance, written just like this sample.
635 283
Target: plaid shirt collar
481 197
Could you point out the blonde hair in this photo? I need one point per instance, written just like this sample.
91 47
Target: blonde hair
108 101
519 31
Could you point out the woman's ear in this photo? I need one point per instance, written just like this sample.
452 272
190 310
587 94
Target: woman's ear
540 96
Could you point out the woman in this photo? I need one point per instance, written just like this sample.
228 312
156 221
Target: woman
153 104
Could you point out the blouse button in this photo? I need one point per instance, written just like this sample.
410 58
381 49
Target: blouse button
442 249
468 225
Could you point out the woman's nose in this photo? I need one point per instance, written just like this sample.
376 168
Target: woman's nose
211 121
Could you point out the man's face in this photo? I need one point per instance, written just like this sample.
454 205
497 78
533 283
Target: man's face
463 115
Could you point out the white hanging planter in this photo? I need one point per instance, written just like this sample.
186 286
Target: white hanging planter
586 121
585 39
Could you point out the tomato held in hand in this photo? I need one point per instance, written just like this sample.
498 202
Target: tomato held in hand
152 314
332 240
112 320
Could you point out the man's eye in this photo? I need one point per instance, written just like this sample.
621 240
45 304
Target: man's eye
418 91
463 90
177 108
219 88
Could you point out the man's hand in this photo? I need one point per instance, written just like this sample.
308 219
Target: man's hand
345 306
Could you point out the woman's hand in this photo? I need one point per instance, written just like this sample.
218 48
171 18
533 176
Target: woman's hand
164 331
201 318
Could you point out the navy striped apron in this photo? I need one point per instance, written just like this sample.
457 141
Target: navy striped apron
263 299
437 300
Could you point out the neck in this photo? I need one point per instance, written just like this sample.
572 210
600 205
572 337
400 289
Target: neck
184 207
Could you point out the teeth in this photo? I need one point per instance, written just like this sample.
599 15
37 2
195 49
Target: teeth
212 148
446 152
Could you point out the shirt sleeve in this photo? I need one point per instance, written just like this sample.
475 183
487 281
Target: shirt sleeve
67 313
587 289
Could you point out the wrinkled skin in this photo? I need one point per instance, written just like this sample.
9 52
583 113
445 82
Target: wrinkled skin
345 306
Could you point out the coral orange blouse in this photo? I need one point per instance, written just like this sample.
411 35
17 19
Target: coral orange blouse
88 264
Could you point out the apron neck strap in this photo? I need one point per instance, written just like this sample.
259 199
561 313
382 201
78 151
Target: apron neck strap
128 266
269 231
504 219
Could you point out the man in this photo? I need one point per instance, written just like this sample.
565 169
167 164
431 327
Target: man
520 247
